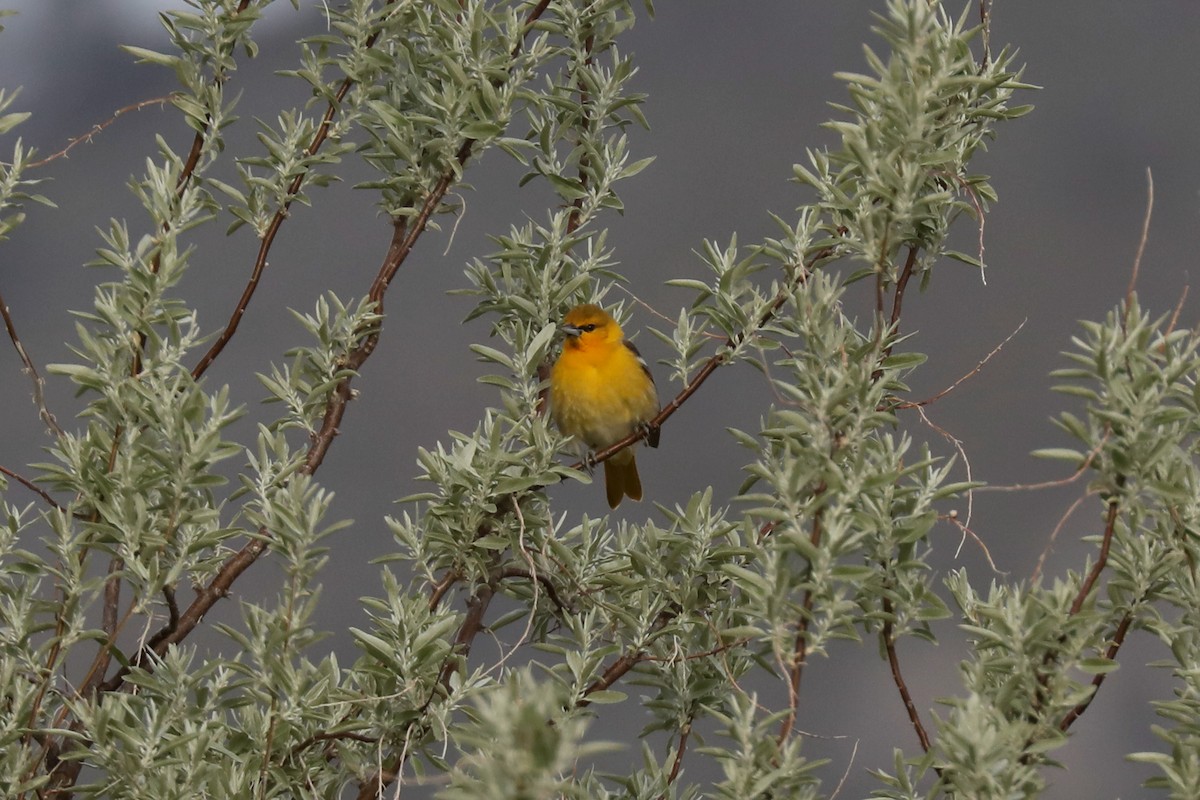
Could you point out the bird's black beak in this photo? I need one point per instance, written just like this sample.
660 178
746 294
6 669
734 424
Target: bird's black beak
570 330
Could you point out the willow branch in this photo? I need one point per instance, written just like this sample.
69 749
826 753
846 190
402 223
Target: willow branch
889 642
39 398
86 138
268 237
1101 561
1098 679
31 486
545 582
677 765
439 589
625 662
800 649
718 359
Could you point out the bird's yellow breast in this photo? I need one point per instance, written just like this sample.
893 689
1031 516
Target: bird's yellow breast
600 393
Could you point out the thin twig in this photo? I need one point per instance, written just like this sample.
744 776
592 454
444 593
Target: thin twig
109 624
439 589
1178 310
585 102
1041 562
535 581
206 598
472 624
373 785
1110 524
31 486
712 651
1098 679
901 285
1141 248
985 22
680 749
39 397
268 237
962 451
538 578
954 520
627 661
299 748
193 157
97 128
708 368
800 649
1076 475
889 643
846 774
930 400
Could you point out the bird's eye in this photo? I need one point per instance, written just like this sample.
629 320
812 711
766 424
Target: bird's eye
591 326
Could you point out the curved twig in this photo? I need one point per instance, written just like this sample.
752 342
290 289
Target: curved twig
39 397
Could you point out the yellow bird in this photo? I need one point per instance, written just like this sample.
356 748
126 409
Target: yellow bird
601 391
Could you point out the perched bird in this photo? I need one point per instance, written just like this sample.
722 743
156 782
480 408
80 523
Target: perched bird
601 391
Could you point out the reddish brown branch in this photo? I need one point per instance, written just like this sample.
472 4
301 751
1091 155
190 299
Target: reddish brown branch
612 673
97 128
111 626
585 101
172 606
1098 679
902 284
471 625
1137 259
889 642
712 651
31 486
684 733
708 368
331 737
193 158
1102 560
439 589
543 580
205 599
879 295
627 661
39 398
268 237
1077 605
800 649
934 398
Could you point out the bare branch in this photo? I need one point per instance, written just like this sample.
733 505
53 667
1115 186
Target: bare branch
930 400
97 128
33 487
39 398
1102 560
1098 679
889 643
1137 259
800 650
1041 562
708 368
680 749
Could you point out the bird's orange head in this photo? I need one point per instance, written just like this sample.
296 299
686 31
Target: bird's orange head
589 325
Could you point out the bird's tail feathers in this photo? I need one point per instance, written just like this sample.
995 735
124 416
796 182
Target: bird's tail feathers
621 480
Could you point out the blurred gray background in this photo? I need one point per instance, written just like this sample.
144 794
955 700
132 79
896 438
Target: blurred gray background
736 90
